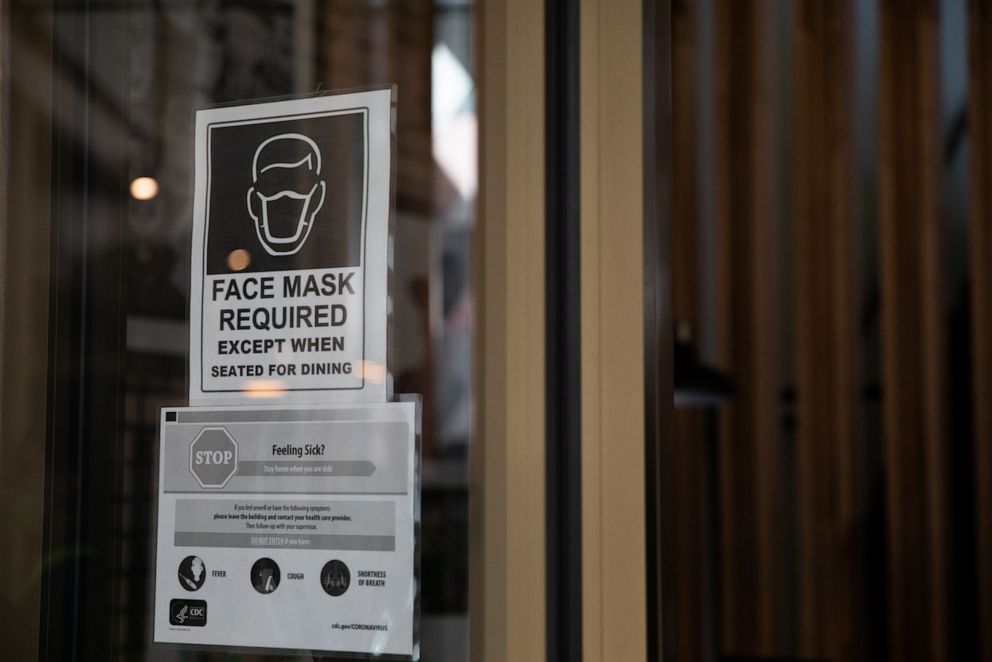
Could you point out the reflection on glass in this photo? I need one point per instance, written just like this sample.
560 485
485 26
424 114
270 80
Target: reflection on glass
144 188
178 57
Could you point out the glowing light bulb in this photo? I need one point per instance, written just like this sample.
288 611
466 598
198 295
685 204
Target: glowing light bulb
144 188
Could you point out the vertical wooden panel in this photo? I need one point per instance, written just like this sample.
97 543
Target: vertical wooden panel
980 127
689 514
829 466
410 39
913 333
613 423
507 526
367 43
750 453
685 189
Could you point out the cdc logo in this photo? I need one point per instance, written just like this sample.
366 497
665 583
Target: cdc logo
189 613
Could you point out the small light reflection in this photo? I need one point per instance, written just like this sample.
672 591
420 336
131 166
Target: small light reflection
374 372
265 388
144 188
238 259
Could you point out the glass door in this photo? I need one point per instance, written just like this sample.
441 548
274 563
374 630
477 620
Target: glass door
98 191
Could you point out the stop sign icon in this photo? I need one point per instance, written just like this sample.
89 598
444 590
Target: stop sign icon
213 457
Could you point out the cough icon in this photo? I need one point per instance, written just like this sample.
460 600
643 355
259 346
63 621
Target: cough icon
286 193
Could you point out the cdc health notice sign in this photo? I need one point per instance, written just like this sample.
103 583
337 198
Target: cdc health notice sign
290 250
288 528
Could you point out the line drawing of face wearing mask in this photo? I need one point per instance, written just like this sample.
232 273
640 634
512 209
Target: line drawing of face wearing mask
286 192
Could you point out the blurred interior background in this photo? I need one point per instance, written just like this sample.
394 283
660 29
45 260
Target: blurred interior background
832 299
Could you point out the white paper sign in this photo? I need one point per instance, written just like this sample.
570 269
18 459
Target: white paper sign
288 292
288 528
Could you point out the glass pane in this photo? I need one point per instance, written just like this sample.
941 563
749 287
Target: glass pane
111 148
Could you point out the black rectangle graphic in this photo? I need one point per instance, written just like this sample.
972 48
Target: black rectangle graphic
189 613
286 193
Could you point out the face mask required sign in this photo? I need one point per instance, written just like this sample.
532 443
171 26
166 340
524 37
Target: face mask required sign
290 249
288 528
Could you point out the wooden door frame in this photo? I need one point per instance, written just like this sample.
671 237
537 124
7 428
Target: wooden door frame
625 333
613 358
507 467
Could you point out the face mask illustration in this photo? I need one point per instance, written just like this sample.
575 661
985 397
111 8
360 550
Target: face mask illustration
286 192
